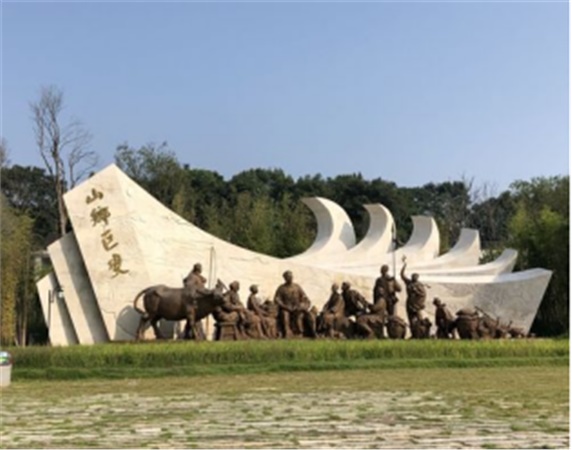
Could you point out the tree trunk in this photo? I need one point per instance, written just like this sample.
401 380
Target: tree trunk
62 211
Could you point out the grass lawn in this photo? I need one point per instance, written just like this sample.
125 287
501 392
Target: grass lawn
159 359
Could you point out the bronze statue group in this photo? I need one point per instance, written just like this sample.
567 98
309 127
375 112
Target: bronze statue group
346 314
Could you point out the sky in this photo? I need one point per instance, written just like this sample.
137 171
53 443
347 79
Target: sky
411 92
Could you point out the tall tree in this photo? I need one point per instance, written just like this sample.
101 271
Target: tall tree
449 204
208 199
351 193
491 215
15 249
64 148
30 190
295 227
253 223
540 231
154 167
273 183
4 161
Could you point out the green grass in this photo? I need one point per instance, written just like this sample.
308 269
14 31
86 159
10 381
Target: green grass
515 396
157 359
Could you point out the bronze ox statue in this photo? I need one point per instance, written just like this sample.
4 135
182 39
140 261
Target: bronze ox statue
162 302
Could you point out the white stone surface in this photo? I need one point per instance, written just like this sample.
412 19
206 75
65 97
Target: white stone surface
379 237
376 243
152 245
335 231
503 264
465 253
421 247
376 248
78 293
60 327
513 296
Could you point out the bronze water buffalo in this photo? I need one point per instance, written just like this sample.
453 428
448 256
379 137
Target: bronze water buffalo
162 302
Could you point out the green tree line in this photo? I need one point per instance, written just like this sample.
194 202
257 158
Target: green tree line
260 209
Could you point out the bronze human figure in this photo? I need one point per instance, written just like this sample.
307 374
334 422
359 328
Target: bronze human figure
271 311
371 325
490 328
195 285
195 281
386 286
396 327
444 320
310 320
477 324
257 315
232 311
420 328
467 323
253 303
416 295
247 323
293 304
332 313
355 303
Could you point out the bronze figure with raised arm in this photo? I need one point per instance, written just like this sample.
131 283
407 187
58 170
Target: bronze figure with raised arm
416 295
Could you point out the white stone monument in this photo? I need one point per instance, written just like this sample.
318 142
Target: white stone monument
124 240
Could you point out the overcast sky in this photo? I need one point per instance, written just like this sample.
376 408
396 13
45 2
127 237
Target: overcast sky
409 92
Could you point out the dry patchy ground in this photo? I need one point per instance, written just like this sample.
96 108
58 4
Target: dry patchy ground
523 407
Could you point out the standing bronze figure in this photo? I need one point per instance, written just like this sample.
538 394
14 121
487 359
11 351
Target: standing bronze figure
386 286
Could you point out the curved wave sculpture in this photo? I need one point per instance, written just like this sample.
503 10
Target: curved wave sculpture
376 247
379 237
465 252
376 242
422 246
335 230
125 240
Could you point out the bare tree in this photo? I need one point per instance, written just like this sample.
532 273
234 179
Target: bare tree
64 148
4 161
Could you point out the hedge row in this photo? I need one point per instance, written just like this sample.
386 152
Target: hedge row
173 353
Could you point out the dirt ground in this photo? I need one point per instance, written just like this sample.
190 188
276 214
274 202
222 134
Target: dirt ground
251 412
